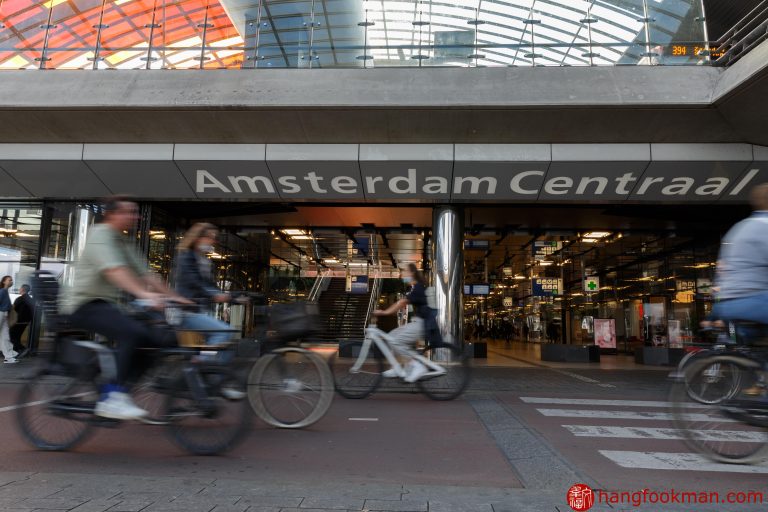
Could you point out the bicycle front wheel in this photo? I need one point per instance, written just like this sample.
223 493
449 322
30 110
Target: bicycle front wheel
454 381
290 388
353 378
719 427
213 425
54 411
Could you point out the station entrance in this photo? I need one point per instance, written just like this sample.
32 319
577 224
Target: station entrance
618 276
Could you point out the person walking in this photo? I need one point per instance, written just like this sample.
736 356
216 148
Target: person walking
24 307
5 308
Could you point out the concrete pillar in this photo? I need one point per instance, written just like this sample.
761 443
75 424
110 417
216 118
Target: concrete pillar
448 271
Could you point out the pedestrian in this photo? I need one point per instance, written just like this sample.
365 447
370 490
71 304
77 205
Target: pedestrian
24 307
5 308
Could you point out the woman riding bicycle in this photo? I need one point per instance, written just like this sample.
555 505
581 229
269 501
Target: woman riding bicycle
405 337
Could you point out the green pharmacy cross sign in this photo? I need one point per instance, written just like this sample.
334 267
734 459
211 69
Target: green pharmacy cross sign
591 284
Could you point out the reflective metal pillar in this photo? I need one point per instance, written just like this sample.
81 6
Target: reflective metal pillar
448 271
81 220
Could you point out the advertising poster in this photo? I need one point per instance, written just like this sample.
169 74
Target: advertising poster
675 339
359 285
605 332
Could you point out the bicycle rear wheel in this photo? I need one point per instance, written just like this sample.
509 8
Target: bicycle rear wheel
711 428
54 411
215 426
353 382
290 388
457 377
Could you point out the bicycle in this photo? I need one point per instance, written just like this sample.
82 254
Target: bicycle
201 406
358 367
719 403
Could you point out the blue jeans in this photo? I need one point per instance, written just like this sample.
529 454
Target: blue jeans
203 322
750 309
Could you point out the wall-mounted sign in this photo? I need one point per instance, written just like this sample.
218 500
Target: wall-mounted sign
359 285
477 289
365 173
546 287
507 302
477 244
543 249
591 284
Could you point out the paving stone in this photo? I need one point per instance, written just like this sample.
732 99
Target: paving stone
96 506
271 501
333 503
131 506
396 506
440 506
50 503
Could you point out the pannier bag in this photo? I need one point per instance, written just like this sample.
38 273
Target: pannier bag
293 321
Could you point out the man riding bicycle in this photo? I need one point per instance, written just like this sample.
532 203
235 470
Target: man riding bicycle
108 268
742 270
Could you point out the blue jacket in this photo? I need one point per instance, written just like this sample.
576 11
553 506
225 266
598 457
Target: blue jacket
191 283
5 300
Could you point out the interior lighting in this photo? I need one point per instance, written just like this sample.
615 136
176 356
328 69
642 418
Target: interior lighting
331 260
519 277
215 256
301 237
21 234
293 232
546 263
593 236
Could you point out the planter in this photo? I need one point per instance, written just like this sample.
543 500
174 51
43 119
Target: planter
480 350
659 356
570 353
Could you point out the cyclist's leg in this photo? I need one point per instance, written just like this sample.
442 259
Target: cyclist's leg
203 322
130 334
403 340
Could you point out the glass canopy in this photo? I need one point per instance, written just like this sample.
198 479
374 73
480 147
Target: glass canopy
219 34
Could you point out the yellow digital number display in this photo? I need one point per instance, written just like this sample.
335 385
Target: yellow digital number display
679 51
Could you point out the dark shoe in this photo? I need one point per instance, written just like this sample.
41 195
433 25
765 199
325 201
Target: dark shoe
24 353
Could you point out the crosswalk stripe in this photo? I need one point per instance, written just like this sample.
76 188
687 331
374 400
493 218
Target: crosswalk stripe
617 403
677 462
741 436
627 415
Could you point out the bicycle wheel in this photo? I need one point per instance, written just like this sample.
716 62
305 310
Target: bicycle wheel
212 427
712 428
715 383
54 411
352 382
290 388
150 393
456 379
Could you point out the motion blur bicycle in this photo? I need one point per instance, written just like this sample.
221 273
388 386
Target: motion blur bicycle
201 402
720 398
358 367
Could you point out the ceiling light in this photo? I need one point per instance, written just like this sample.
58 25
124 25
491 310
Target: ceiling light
293 232
301 237
545 263
331 260
26 235
596 235
519 277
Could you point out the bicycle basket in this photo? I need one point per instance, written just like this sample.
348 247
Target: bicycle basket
293 321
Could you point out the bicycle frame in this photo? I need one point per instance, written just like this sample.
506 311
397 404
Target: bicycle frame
382 340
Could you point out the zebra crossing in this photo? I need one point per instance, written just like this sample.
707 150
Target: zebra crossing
640 422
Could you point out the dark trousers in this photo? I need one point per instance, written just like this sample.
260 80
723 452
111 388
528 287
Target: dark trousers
130 334
15 333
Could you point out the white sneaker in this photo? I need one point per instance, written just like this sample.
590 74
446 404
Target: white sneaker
417 372
232 393
119 406
10 360
390 374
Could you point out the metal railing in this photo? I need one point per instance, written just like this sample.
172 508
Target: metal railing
743 37
318 286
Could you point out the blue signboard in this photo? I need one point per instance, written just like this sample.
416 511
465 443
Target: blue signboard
542 249
359 285
477 244
477 289
547 287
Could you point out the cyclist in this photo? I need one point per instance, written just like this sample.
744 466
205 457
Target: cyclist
742 272
194 281
405 337
108 268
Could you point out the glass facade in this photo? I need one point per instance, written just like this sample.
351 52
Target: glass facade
234 34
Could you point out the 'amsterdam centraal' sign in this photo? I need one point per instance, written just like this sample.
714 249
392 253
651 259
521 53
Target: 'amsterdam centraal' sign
591 173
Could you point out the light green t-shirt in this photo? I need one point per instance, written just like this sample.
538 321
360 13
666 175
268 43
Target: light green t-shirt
105 249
